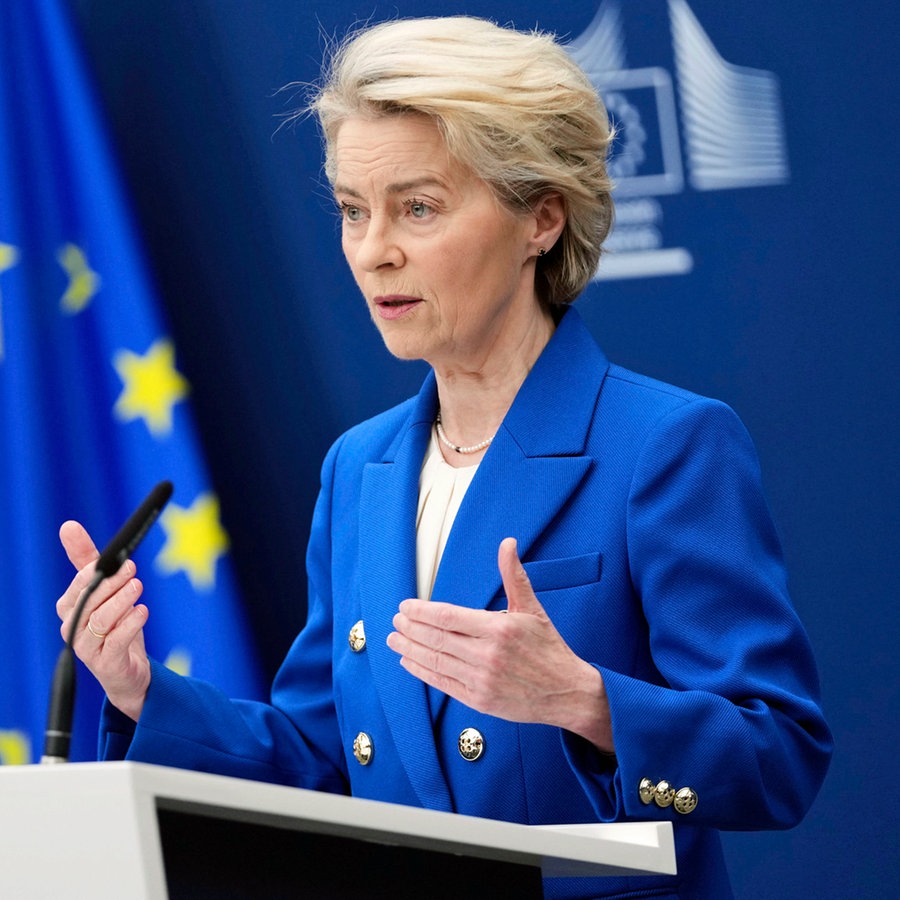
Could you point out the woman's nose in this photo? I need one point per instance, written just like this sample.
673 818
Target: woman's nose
379 246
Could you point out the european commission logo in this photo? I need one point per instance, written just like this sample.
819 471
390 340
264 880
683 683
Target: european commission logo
730 119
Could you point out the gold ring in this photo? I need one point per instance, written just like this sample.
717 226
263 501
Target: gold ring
97 634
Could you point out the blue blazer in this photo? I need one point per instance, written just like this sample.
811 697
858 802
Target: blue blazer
641 522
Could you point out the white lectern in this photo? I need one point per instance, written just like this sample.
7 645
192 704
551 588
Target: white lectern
113 830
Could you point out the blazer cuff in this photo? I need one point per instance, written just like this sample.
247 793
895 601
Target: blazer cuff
116 733
598 774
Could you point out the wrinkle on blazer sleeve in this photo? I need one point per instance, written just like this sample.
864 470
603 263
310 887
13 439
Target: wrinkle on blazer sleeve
737 715
190 724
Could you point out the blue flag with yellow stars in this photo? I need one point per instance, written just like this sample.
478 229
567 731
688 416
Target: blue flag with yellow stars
93 408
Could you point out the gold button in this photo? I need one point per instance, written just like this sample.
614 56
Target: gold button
363 748
665 794
685 800
357 637
471 744
646 790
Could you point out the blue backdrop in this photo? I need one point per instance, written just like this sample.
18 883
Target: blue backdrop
754 261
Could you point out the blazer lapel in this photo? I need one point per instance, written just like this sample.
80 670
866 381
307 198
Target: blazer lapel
533 466
536 489
387 567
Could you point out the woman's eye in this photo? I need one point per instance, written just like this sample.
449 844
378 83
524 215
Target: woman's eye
351 213
418 209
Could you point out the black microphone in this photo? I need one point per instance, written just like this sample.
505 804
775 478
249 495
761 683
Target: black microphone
58 735
133 531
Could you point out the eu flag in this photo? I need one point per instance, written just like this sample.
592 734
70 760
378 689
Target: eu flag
93 407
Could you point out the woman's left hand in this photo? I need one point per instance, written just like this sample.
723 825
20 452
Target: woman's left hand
515 666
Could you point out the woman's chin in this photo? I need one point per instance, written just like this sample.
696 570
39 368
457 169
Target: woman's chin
402 343
402 347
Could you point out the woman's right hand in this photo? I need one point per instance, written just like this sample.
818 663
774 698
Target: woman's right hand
110 636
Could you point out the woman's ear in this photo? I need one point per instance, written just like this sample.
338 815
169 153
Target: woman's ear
550 214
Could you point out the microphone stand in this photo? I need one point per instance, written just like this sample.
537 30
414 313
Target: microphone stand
58 734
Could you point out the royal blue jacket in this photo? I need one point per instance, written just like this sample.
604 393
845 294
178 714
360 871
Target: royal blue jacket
641 522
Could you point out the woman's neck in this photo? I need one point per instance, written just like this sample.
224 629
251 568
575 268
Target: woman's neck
474 399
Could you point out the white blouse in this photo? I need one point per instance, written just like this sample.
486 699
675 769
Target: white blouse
441 491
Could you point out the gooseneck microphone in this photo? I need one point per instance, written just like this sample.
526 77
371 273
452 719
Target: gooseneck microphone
133 531
58 735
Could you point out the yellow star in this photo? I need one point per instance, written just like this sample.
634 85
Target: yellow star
195 540
84 282
15 748
152 386
9 256
179 661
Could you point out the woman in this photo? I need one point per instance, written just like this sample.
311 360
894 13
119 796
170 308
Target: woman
649 664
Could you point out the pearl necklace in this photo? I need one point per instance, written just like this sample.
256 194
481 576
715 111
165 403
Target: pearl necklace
447 443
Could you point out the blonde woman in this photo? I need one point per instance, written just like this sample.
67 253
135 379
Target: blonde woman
545 589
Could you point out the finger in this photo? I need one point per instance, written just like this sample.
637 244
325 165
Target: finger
445 616
127 629
103 591
109 614
439 668
443 682
428 645
109 587
474 681
520 596
413 631
78 544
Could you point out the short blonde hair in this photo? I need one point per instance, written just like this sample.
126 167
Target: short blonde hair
512 106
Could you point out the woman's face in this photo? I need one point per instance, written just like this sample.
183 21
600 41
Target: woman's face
447 272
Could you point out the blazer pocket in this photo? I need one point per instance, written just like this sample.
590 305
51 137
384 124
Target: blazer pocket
567 572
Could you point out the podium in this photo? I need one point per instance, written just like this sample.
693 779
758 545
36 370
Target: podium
118 829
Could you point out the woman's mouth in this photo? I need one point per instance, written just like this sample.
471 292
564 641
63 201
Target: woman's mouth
393 306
